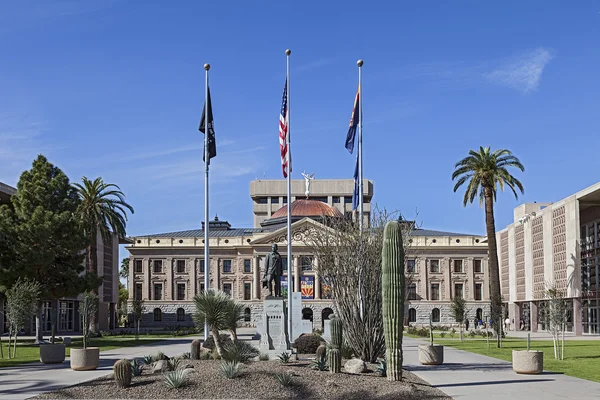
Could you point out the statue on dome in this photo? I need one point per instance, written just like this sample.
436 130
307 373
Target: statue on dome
273 272
307 179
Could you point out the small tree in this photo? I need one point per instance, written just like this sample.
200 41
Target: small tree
138 312
556 318
21 301
214 308
87 308
458 311
235 314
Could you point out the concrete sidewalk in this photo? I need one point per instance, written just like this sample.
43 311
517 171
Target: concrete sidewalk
31 379
467 375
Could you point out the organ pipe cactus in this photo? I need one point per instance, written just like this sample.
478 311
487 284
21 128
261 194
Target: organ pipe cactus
392 285
122 372
334 360
336 332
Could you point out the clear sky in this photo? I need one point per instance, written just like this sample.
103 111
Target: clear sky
115 89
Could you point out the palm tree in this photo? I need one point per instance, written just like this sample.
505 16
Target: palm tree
485 170
235 314
102 210
214 308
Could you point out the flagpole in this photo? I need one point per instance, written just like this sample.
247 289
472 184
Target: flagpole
290 282
206 164
360 155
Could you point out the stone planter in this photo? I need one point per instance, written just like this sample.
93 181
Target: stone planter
527 361
52 353
85 359
431 355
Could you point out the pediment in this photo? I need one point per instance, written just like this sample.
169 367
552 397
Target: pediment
301 231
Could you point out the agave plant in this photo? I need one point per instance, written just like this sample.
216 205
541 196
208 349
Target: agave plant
319 364
174 363
148 360
285 357
239 351
136 368
231 370
176 379
284 379
382 368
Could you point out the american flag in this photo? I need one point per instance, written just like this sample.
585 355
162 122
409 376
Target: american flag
286 159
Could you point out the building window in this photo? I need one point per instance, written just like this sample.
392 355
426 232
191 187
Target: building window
458 266
412 291
335 199
435 291
157 266
477 266
347 199
322 199
200 287
66 315
180 315
201 266
226 266
410 266
412 315
274 200
157 315
434 265
157 291
435 315
137 291
262 200
247 266
478 294
227 289
247 290
181 266
139 267
181 291
307 263
247 315
458 290
284 263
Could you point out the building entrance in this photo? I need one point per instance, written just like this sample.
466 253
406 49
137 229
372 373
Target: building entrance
590 311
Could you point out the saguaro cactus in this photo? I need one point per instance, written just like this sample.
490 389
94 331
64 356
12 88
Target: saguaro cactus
122 372
392 285
334 356
336 332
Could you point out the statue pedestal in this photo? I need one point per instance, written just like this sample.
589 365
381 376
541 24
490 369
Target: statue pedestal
274 337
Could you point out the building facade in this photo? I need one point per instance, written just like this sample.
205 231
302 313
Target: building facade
167 270
553 244
68 318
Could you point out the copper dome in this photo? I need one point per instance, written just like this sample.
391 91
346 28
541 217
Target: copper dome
308 208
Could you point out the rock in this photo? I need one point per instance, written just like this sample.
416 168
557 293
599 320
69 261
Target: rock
355 366
187 366
160 366
331 383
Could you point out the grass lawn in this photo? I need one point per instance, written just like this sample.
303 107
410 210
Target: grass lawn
582 357
26 352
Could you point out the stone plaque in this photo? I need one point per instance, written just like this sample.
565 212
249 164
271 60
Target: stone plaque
273 332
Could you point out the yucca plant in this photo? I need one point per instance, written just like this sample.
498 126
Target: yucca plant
148 360
176 379
319 364
231 370
284 379
285 357
136 368
239 351
213 308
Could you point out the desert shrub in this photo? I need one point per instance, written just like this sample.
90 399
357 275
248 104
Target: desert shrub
263 357
239 351
284 358
176 379
210 342
148 360
411 330
472 333
442 334
308 344
452 332
319 364
231 370
284 379
423 332
317 332
186 356
347 351
174 363
382 368
215 355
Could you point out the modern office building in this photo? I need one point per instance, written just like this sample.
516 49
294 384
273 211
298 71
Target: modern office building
68 318
553 244
167 269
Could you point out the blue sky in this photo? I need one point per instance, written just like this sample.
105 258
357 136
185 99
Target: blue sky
115 89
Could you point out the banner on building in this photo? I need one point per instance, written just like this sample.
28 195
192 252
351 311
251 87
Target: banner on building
284 286
307 286
326 292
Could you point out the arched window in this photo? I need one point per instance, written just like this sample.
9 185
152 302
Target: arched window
412 315
247 315
180 315
307 314
435 315
157 315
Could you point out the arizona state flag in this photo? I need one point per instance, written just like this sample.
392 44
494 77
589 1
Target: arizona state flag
212 145
353 123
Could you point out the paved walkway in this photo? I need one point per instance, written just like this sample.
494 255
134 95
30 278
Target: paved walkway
467 375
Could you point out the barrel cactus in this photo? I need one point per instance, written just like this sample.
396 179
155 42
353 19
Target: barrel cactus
334 356
392 285
122 372
336 332
321 352
195 351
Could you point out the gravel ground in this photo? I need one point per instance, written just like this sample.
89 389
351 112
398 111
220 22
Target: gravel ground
257 382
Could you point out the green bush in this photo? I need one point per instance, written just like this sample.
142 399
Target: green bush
442 334
308 344
239 351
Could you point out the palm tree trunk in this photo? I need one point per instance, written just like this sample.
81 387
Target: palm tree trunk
494 272
217 338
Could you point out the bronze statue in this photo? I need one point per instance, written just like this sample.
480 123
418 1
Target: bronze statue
273 272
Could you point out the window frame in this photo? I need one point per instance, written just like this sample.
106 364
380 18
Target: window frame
155 263
431 291
480 262
184 290
178 263
462 266
437 261
412 269
154 286
248 270
230 262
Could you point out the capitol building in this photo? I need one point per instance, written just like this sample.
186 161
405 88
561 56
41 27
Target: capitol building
167 269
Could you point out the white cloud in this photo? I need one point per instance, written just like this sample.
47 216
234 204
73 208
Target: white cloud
524 72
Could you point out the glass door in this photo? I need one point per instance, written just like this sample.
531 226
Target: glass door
593 321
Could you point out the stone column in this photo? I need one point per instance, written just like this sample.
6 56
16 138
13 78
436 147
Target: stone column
447 268
191 265
131 279
256 278
577 322
421 270
297 273
485 295
215 273
317 281
168 265
533 316
146 294
470 279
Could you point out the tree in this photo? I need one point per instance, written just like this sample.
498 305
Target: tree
235 314
21 303
103 210
214 308
124 271
45 241
485 170
138 313
123 296
350 262
556 317
458 311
